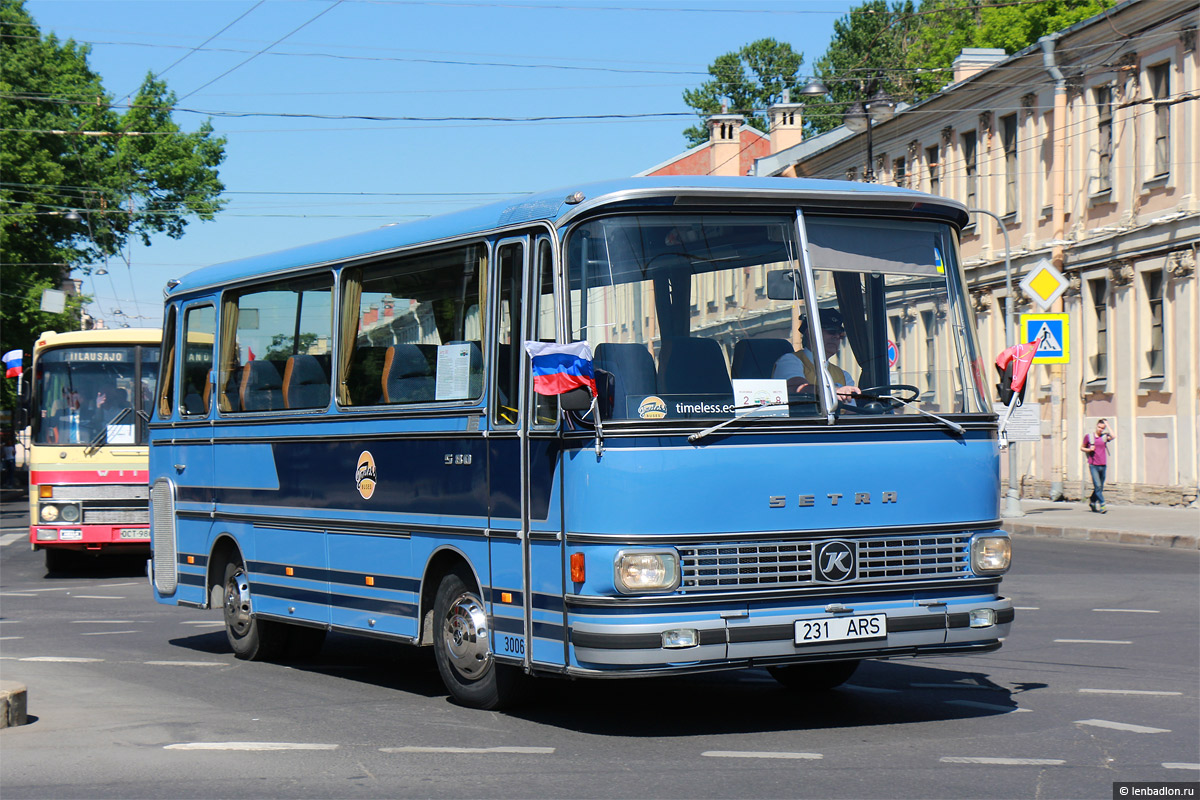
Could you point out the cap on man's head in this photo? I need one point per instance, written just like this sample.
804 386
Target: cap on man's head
831 320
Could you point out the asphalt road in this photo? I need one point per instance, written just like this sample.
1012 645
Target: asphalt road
1098 684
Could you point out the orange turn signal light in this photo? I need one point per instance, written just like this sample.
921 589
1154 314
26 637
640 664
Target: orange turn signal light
578 573
370 580
506 597
289 571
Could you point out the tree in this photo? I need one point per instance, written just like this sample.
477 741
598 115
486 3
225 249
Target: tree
63 148
751 79
867 46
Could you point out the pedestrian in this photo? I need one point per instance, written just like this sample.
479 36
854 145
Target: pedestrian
1096 447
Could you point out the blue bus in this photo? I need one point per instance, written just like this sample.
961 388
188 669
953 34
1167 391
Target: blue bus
790 459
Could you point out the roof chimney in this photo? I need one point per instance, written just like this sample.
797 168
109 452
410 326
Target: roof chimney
974 60
787 127
725 141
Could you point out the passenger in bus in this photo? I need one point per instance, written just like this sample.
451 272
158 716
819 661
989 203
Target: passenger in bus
799 369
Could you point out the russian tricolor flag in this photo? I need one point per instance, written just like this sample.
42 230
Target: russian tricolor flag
558 368
14 360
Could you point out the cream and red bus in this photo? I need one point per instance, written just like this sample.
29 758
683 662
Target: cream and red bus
89 396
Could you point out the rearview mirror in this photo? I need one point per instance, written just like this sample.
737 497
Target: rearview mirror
783 284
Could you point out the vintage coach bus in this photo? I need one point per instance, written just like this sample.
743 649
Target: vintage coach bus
346 438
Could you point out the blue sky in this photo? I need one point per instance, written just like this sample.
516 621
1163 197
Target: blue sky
296 179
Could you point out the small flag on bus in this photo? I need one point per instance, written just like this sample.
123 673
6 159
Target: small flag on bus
558 368
14 360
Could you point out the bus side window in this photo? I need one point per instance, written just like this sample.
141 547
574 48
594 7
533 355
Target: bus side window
166 371
199 333
410 329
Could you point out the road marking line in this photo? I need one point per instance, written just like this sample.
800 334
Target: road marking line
16 594
985 706
1092 641
514 750
213 624
1179 765
98 597
9 538
186 663
1129 691
249 746
1015 762
758 754
106 633
1120 726
1127 610
7 638
102 622
64 659
1027 608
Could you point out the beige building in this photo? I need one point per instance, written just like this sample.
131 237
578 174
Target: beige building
1087 146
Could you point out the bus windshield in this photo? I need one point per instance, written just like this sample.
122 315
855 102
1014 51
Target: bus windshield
704 315
93 394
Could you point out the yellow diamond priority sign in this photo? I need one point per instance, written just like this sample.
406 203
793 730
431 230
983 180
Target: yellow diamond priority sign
1044 284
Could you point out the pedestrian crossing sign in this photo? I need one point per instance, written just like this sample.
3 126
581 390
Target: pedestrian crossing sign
1052 333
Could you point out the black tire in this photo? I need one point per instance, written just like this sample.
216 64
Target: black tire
814 677
57 559
250 638
461 646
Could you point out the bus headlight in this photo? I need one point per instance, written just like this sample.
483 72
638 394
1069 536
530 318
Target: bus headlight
990 554
69 513
48 513
646 571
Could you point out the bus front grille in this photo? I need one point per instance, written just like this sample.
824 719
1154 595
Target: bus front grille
101 491
767 565
162 530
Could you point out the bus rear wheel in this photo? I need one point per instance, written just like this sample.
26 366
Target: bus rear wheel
462 648
814 677
250 638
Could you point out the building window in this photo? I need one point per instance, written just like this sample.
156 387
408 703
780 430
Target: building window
931 165
1099 358
1008 138
1104 136
970 167
1160 90
1154 301
900 170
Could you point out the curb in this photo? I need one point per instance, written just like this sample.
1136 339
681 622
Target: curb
12 704
1186 542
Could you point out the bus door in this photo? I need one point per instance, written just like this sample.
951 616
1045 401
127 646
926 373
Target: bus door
525 517
189 456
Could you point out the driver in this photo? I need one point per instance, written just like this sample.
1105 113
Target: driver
799 369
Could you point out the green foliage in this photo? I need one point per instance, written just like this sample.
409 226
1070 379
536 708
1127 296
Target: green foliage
281 346
64 147
752 79
861 59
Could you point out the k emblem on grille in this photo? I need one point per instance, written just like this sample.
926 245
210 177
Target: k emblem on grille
835 562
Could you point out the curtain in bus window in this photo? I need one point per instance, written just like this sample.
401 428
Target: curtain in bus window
166 375
351 297
228 350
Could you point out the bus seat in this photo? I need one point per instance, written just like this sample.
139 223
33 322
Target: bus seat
407 375
262 388
365 376
755 358
688 365
305 384
632 370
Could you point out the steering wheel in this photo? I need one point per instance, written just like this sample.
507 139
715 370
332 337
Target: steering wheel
879 399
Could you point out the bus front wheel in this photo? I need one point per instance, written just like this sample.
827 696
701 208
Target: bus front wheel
462 646
251 639
814 677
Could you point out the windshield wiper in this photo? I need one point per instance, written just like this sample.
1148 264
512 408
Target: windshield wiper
754 409
101 438
954 426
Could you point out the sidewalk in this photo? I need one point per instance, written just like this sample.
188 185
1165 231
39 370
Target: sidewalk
1159 526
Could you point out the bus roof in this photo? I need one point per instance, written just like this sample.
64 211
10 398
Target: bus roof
104 336
553 207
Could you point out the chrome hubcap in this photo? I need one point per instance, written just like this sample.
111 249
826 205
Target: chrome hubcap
465 634
237 603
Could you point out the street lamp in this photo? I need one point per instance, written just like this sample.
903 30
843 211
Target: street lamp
861 116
